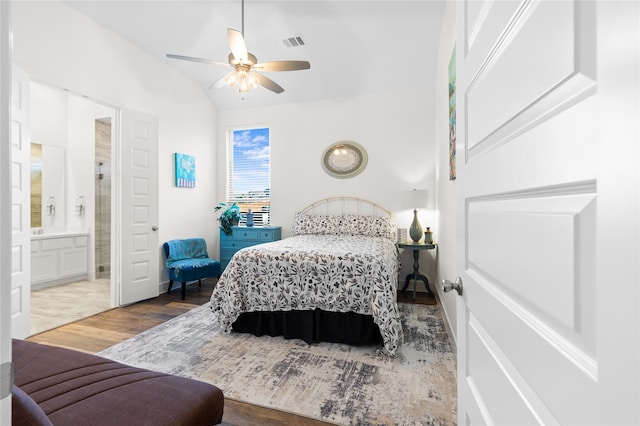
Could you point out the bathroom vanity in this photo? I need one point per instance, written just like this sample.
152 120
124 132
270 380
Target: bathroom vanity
58 258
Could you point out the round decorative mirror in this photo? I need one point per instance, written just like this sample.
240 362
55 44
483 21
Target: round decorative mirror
344 159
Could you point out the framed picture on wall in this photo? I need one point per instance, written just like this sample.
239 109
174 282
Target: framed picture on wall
185 170
452 115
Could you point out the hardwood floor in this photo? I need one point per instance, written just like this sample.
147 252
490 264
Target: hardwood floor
103 330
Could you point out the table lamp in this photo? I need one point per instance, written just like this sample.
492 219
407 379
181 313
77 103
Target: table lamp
415 199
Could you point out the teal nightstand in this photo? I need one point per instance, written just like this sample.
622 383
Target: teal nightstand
242 237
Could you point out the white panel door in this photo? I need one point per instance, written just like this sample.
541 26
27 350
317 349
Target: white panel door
547 134
6 371
140 272
20 206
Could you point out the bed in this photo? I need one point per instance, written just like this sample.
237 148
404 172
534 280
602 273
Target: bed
334 279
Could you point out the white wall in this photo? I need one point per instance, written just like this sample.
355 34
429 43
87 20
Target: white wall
446 189
49 116
81 149
49 129
395 129
57 45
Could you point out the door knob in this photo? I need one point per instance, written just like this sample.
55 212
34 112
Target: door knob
154 228
447 286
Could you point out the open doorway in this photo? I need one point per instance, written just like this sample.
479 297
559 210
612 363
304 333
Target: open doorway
71 243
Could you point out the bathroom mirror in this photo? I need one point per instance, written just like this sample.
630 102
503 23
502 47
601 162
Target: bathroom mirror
48 186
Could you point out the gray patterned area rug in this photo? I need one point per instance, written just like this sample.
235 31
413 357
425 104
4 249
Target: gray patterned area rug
332 382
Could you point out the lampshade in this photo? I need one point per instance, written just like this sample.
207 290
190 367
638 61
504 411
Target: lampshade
415 199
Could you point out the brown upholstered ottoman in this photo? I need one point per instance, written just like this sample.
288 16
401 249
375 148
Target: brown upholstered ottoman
74 388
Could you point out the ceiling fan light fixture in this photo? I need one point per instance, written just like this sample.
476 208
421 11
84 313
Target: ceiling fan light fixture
250 60
232 79
247 81
252 80
243 63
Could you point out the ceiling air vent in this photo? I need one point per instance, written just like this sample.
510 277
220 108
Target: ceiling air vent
294 41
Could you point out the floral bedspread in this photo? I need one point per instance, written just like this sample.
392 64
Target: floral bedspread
339 273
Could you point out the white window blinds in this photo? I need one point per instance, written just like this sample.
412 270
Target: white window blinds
249 172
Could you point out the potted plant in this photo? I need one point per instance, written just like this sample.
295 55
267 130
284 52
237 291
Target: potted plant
229 217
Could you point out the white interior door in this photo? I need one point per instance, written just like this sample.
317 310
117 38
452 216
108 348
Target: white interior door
6 376
547 130
139 252
20 205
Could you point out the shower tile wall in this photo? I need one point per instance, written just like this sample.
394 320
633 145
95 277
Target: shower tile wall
103 199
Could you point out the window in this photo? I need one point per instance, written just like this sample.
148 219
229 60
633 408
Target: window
249 172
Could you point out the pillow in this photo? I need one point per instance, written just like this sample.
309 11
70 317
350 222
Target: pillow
348 224
25 411
370 226
315 224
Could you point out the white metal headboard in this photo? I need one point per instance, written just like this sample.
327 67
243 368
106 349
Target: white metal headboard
346 205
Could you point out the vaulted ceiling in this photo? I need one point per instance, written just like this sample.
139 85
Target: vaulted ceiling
355 47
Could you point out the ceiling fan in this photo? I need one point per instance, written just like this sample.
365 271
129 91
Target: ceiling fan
245 65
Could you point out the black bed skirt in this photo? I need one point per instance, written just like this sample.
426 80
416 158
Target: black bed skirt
312 326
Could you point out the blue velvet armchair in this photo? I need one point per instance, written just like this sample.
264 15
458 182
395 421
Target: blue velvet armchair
188 260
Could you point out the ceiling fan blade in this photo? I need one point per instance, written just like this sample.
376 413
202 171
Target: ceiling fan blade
237 45
267 83
283 66
192 59
219 83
